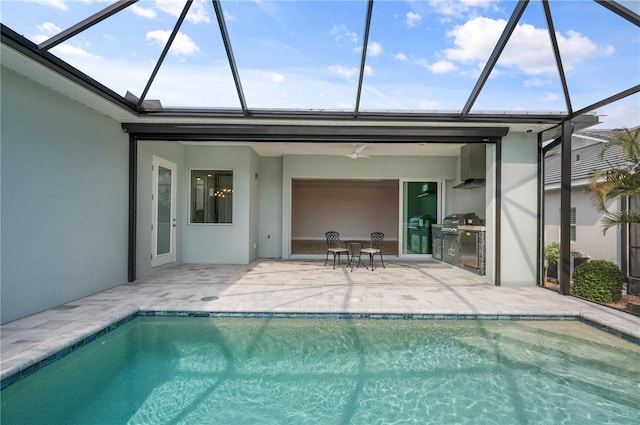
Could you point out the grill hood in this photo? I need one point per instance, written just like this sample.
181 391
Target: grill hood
472 166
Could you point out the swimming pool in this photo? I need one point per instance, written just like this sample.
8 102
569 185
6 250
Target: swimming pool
303 371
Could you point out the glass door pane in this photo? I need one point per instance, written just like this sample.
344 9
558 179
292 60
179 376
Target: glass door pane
164 211
419 212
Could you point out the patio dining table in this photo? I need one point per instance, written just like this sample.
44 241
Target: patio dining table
352 245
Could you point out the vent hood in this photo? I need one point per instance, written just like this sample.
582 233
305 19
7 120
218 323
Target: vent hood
473 168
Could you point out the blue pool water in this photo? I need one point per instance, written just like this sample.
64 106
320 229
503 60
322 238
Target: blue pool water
305 371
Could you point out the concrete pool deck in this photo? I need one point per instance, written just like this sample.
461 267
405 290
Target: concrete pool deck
304 286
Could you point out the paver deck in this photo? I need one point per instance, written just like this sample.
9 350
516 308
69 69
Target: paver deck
273 286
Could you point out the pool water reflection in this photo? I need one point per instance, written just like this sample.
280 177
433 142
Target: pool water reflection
323 371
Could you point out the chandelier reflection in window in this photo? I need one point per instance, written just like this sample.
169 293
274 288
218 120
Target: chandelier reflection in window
221 193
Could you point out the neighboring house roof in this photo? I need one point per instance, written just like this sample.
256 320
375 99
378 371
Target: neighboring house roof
586 158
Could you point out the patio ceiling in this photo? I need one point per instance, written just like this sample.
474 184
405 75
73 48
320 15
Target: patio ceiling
338 65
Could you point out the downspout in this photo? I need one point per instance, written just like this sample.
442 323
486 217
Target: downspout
565 209
133 193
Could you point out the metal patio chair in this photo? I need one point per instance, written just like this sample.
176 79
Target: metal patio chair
335 247
375 247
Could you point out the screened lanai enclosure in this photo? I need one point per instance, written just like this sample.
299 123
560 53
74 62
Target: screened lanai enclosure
234 112
341 59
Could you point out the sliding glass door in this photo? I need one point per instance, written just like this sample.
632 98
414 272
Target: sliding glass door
420 206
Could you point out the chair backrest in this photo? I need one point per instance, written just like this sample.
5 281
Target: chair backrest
333 239
376 240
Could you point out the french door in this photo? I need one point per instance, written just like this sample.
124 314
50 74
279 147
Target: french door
163 210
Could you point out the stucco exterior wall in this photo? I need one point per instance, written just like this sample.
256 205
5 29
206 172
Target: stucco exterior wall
254 205
64 190
519 203
590 239
270 204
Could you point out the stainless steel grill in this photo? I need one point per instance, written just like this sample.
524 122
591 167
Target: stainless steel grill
451 222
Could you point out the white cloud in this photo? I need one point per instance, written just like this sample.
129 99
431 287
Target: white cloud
537 82
171 7
39 38
368 70
344 71
141 11
270 8
276 77
575 48
197 12
374 49
442 67
341 32
459 8
549 97
49 28
528 49
413 19
58 4
68 52
350 73
401 57
228 16
62 4
624 113
182 45
474 41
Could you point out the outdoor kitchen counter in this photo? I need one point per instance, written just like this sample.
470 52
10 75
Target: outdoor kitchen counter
462 246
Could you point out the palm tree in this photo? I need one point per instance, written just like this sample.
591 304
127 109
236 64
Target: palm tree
618 182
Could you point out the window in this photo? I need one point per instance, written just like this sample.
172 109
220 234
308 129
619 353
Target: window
572 228
211 196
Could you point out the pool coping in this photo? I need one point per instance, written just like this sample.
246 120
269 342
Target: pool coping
18 372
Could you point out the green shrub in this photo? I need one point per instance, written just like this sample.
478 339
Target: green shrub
598 280
552 252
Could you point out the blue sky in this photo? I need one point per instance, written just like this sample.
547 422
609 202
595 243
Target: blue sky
422 55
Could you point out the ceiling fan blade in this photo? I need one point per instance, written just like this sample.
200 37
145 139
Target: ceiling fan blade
357 153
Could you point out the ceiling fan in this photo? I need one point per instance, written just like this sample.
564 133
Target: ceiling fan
357 153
